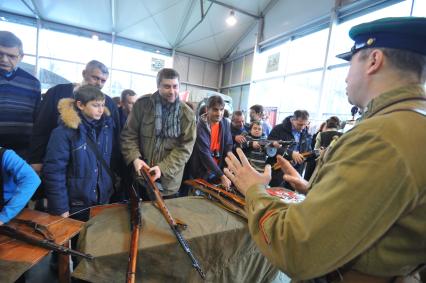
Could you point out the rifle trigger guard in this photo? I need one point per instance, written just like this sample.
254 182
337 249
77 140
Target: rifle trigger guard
38 228
180 224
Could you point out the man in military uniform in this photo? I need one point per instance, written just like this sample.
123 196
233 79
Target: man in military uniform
363 219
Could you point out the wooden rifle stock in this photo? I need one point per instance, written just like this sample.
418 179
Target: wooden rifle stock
170 220
305 154
33 240
218 190
135 224
228 204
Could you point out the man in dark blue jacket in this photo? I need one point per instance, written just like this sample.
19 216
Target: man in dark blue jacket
214 141
95 74
293 128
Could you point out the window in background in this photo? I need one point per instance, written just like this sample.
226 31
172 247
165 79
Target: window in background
294 92
260 62
136 60
334 94
141 84
27 34
267 93
30 60
300 92
53 72
63 57
341 42
307 52
28 64
419 8
59 45
334 99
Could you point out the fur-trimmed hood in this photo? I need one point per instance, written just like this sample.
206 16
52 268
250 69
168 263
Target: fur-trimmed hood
69 115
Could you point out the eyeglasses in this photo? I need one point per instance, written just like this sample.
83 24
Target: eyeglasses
9 56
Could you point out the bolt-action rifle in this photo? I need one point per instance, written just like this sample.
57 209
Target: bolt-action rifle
213 194
135 225
222 192
267 145
43 243
264 143
170 220
307 154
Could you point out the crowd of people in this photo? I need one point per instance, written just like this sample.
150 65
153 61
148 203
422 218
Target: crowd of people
363 219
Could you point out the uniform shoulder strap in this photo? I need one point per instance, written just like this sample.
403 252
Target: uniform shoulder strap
416 110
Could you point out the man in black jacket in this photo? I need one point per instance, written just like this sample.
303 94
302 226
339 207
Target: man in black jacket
95 74
293 128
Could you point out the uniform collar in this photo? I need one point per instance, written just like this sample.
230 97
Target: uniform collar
391 97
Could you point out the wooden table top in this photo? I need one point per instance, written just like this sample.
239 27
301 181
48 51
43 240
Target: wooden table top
61 228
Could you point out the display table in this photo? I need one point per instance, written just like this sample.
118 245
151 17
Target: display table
16 257
218 239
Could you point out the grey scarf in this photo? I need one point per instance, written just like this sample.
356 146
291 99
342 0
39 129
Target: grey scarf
167 122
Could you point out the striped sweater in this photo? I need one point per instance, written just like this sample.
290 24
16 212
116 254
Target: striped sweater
19 99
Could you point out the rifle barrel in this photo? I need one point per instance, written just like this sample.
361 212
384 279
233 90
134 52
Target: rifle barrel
43 243
187 250
220 191
170 220
135 224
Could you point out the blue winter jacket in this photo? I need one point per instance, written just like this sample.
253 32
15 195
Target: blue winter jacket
74 178
47 119
19 184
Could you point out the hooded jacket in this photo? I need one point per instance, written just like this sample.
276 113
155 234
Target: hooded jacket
48 116
74 177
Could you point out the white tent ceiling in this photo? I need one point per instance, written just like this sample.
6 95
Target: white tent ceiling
195 27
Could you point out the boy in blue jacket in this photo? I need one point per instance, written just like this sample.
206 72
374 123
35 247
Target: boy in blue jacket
18 184
76 166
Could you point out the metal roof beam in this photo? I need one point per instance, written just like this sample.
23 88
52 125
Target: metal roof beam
184 23
235 9
194 27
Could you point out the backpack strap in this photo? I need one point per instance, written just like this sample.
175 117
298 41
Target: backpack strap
100 158
2 150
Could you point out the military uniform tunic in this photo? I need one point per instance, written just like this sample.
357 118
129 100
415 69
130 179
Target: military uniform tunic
367 206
